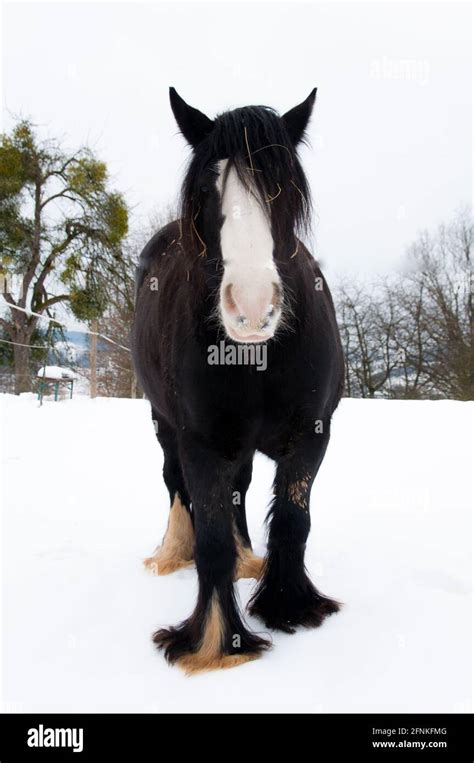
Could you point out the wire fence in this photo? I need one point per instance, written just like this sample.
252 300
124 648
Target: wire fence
63 325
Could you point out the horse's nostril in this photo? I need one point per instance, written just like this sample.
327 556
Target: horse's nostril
251 308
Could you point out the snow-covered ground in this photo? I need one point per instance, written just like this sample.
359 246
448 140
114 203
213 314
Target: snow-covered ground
84 502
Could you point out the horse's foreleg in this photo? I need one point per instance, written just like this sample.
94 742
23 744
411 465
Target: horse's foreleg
214 636
285 596
177 548
248 564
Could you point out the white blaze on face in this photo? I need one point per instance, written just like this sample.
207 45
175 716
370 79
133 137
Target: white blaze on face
250 294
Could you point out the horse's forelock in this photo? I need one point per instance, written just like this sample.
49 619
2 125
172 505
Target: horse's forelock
255 142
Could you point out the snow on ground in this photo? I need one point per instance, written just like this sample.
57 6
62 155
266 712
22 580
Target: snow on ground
85 502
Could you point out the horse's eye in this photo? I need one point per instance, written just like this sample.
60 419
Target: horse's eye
204 188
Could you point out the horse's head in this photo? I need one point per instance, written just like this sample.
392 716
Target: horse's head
244 197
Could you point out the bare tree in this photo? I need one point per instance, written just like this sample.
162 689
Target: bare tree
368 330
116 374
442 273
410 336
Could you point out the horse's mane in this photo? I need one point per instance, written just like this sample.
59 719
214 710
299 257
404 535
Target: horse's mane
257 145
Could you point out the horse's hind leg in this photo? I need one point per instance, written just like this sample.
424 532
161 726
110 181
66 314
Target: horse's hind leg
285 596
214 636
177 548
248 564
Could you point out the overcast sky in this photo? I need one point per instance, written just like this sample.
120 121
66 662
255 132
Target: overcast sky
391 134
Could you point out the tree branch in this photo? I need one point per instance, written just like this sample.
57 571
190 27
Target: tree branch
60 195
52 301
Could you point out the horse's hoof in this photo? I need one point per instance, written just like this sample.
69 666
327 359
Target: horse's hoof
204 659
177 548
287 608
249 565
211 642
162 564
192 663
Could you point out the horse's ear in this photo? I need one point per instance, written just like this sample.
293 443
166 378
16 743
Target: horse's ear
296 119
193 123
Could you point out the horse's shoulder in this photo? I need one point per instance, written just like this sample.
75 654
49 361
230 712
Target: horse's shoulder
309 260
161 242
321 285
165 241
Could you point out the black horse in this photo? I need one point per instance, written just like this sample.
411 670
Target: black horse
236 346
